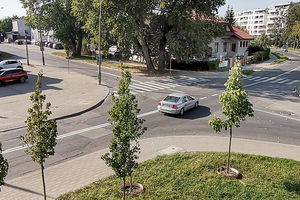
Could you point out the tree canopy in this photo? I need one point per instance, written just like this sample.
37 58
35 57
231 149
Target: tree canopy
292 19
229 16
154 28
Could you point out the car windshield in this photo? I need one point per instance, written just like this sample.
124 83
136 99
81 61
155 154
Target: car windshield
172 99
2 62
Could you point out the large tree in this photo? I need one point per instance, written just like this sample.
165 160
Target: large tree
40 138
154 27
229 16
292 19
56 16
278 27
6 24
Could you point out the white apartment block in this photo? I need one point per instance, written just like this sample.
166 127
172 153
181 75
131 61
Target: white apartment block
258 21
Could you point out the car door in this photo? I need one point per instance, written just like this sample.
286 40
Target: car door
6 77
185 103
190 102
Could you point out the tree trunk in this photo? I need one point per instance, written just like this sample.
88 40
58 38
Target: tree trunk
146 54
43 180
228 160
79 42
130 183
124 188
162 54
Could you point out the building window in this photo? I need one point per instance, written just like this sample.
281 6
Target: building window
244 43
233 47
241 43
216 47
247 44
224 46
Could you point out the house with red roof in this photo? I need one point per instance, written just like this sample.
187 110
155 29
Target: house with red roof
231 45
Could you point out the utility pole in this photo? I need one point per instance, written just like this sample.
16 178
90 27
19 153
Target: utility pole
99 45
41 41
26 47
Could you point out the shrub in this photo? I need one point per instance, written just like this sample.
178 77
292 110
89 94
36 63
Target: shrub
195 65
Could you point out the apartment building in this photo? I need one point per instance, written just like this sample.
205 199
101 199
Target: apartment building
258 21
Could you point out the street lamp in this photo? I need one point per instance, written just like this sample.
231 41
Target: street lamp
99 45
26 32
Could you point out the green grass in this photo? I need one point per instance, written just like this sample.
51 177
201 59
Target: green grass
6 55
192 176
281 58
131 66
294 49
247 72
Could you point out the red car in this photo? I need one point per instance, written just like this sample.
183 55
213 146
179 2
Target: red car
9 75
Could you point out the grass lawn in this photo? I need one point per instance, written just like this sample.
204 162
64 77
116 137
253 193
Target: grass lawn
5 55
130 66
281 58
247 72
192 176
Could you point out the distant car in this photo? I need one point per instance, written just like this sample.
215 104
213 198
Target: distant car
58 45
177 103
10 75
19 42
10 64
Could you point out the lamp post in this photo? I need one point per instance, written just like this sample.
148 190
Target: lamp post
99 45
26 47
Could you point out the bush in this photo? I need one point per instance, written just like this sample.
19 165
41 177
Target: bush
195 65
259 56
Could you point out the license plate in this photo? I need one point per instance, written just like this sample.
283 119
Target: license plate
167 105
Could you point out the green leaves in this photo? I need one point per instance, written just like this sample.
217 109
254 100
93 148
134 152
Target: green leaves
127 129
236 106
40 138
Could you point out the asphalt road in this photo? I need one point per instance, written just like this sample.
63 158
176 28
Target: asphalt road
89 132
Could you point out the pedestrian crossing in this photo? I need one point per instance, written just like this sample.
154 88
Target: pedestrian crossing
138 87
274 80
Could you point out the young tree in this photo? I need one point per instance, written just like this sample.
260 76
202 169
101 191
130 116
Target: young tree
127 129
3 167
151 27
293 17
236 106
229 16
40 138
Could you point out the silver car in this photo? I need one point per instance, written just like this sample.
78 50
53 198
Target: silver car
11 64
177 103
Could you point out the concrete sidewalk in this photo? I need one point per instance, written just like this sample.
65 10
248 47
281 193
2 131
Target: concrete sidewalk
76 173
69 93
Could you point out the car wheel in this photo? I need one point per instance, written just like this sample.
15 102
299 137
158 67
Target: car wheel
22 79
0 83
19 67
196 104
181 112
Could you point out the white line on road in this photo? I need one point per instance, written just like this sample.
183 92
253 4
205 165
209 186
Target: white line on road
214 95
17 148
203 98
276 114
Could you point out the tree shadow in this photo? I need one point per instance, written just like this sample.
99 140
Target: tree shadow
17 88
26 190
292 186
195 113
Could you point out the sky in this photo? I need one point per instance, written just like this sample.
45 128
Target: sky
8 8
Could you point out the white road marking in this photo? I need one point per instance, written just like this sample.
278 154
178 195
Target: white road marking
277 80
292 82
260 79
203 98
276 114
253 78
214 95
17 148
139 88
286 80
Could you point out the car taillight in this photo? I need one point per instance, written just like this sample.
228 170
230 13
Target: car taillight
159 104
175 107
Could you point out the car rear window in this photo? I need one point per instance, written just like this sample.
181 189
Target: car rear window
172 99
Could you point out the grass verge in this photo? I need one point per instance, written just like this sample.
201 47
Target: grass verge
193 176
130 66
247 72
281 58
5 55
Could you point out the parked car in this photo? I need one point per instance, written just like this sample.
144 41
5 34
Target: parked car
10 64
10 75
19 42
177 103
58 45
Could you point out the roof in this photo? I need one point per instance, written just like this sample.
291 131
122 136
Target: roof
240 34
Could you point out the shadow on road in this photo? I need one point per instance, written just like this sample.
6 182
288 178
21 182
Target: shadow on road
196 113
17 88
26 190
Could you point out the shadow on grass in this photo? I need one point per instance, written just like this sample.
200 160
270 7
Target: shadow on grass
292 186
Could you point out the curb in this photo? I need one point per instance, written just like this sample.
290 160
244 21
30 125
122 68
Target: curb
65 116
